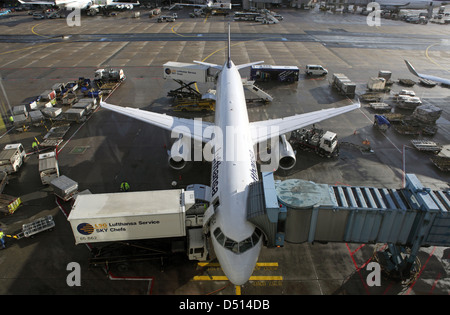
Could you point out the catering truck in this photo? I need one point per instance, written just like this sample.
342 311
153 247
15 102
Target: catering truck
142 215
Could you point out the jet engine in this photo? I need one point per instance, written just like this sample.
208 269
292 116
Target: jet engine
180 153
287 157
129 6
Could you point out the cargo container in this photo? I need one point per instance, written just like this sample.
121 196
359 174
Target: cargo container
64 187
343 85
74 114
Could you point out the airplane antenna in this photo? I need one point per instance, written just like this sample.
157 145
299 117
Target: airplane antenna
229 47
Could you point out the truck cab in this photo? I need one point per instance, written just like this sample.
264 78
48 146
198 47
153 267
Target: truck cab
11 158
328 142
197 249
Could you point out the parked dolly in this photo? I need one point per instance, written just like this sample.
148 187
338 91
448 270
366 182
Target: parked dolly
35 227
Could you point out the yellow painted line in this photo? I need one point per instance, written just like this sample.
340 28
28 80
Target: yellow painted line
260 264
26 48
208 278
238 290
224 278
430 59
32 31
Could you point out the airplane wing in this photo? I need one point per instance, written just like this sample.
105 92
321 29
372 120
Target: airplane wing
195 127
122 4
188 5
426 76
262 130
395 5
38 2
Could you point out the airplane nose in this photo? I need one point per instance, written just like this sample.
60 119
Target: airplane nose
239 277
238 268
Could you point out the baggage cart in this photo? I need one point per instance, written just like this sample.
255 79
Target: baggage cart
426 145
380 107
35 227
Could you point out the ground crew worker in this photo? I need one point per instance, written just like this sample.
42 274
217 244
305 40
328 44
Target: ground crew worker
11 120
124 186
34 146
2 239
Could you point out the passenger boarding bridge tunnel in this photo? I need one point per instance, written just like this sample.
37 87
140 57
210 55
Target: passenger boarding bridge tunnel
300 211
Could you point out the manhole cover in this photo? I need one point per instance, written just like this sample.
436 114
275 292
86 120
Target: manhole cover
78 150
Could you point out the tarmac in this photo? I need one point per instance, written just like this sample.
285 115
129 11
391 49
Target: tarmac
109 148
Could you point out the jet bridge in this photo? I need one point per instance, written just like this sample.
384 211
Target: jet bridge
300 211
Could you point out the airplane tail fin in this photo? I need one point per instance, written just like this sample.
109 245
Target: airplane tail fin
229 48
228 63
411 68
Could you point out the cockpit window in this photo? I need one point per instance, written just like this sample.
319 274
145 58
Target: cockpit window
234 246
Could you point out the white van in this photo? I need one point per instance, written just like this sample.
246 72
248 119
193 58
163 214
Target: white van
315 70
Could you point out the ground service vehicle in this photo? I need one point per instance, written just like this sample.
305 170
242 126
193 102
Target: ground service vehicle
261 73
48 167
142 215
165 18
322 142
12 157
315 70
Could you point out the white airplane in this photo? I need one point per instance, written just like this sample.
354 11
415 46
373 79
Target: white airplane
84 4
410 4
236 241
426 76
209 6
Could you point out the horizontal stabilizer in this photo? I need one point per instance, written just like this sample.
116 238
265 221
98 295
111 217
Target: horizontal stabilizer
245 65
211 65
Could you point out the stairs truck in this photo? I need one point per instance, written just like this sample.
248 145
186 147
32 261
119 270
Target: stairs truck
323 143
167 216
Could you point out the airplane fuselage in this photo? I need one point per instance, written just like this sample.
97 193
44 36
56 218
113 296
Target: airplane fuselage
233 170
410 4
